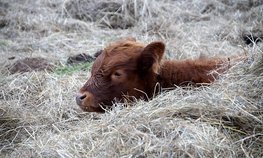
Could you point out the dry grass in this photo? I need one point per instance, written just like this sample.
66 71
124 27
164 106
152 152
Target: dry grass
38 113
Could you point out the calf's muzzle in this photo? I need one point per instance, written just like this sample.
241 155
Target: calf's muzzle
87 103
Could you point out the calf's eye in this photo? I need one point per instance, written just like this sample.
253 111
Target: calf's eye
117 74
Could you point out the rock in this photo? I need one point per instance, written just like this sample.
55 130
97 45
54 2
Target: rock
97 53
30 64
80 58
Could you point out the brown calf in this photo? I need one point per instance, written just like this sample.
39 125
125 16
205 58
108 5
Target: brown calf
129 69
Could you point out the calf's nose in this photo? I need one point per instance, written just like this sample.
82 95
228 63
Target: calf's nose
80 98
86 102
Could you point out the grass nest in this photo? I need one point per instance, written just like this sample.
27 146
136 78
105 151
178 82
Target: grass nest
38 113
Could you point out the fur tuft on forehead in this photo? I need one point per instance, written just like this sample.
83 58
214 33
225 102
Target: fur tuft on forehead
124 47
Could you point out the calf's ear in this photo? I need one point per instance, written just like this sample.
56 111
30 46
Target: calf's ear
151 57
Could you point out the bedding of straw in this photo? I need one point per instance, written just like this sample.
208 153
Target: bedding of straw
38 113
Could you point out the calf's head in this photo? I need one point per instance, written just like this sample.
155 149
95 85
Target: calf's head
124 69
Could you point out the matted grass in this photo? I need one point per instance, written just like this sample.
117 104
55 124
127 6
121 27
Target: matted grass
38 113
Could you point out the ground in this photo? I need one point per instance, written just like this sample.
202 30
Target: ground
38 113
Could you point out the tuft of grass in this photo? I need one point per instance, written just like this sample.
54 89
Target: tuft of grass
4 43
70 69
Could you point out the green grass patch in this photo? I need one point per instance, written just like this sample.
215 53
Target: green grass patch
70 69
4 43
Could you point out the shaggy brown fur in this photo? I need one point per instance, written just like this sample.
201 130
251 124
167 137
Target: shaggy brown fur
128 69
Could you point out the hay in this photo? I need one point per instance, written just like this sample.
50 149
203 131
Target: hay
38 113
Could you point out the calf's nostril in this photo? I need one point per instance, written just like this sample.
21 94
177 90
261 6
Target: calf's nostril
82 97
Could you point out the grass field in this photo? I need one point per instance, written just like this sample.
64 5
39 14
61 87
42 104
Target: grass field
38 113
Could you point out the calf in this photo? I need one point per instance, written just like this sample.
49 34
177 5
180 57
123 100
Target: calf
127 69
